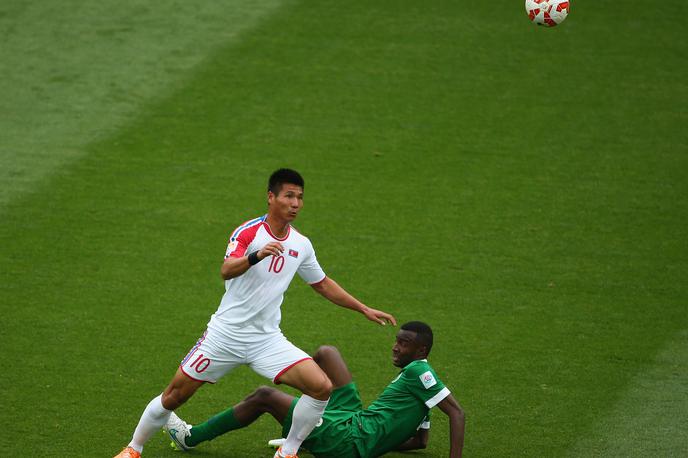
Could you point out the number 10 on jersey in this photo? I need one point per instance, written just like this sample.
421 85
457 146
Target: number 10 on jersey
276 264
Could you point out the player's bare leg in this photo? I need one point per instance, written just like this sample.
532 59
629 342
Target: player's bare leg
316 388
158 411
308 378
331 362
262 400
179 390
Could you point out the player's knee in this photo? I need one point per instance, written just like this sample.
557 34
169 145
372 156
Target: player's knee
261 396
328 386
324 389
326 352
318 386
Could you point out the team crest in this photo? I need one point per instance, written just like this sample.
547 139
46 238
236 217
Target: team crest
293 253
231 247
427 380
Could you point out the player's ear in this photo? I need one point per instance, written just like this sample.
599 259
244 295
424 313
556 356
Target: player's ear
423 351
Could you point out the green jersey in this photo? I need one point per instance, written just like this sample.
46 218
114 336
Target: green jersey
349 431
395 416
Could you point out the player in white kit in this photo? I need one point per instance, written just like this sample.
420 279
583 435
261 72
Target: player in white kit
262 257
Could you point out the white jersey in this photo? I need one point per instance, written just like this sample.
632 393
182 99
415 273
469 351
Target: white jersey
250 307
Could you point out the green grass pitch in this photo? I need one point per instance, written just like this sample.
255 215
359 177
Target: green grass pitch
521 189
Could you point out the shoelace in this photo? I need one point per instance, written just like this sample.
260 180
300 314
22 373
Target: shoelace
181 427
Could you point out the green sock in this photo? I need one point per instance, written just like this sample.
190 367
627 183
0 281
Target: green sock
216 426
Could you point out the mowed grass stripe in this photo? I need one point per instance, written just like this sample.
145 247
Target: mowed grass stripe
75 71
651 418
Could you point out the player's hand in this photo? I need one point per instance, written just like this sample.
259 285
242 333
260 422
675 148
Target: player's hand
379 316
271 249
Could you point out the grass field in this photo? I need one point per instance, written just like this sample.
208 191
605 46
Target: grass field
522 190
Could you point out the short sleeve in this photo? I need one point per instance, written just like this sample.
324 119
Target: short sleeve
424 384
235 249
240 240
309 270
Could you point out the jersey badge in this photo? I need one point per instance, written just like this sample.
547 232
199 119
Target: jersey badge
427 380
293 253
232 245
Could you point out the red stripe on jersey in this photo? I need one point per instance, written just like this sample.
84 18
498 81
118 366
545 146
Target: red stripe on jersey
243 240
246 224
276 379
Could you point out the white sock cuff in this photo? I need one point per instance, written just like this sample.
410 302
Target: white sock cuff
157 408
307 412
314 403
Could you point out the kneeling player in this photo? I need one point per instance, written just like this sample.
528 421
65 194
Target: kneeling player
397 420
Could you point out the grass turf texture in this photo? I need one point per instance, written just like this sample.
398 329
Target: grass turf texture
523 190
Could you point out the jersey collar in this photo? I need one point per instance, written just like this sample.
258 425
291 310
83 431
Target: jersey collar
267 228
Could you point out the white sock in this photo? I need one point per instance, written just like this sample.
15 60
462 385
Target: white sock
153 418
307 412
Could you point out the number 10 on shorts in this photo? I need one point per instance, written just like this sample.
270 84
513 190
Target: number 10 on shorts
200 364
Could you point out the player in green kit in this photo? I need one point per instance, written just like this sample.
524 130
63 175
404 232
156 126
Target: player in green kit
397 420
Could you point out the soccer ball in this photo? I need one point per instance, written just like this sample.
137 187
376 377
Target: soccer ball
547 12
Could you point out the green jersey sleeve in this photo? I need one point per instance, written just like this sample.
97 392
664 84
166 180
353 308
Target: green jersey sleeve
423 383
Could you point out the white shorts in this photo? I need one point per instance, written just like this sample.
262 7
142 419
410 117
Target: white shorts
211 358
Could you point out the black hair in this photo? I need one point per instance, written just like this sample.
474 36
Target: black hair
282 176
423 333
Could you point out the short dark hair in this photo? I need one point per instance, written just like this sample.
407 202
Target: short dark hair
282 176
423 332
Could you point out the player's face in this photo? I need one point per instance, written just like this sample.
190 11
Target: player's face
287 203
406 349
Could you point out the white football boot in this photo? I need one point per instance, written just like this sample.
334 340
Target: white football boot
178 430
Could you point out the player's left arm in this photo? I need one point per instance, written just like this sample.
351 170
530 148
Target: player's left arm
330 290
457 424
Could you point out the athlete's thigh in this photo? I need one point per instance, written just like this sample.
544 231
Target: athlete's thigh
308 378
274 357
211 358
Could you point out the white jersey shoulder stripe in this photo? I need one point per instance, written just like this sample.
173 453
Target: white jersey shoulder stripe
246 225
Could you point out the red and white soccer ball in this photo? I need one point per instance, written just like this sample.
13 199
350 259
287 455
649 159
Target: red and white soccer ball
547 12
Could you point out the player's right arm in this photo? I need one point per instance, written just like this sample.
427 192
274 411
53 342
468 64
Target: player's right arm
236 266
457 424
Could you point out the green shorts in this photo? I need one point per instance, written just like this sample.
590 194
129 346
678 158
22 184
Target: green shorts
333 438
